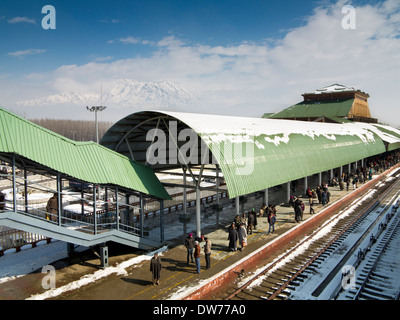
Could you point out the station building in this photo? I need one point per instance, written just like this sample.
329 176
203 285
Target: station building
335 103
333 133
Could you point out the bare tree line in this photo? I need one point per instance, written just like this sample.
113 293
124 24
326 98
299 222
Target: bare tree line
79 130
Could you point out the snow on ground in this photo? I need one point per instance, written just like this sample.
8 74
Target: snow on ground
90 278
14 265
303 246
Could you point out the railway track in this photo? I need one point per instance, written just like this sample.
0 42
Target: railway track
378 274
299 264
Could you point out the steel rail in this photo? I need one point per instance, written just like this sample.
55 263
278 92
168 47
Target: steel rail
298 272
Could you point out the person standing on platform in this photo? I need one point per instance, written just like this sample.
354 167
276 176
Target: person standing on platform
189 244
272 220
233 237
197 251
242 236
251 221
207 252
155 268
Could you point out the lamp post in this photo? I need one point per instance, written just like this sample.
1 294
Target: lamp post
95 109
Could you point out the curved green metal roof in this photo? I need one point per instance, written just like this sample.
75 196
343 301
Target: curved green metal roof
85 161
255 153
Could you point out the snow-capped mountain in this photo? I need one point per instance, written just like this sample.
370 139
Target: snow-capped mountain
125 93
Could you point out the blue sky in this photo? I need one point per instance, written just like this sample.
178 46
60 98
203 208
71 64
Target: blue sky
261 55
84 29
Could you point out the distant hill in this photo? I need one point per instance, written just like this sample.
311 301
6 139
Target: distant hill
125 93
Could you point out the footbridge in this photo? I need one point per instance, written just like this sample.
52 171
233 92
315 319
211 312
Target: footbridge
78 192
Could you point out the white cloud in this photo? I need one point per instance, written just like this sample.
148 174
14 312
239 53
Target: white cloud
268 76
22 20
22 53
129 40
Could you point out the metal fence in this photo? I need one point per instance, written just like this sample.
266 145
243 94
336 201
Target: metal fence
16 239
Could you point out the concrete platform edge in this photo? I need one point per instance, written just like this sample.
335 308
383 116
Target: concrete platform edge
214 284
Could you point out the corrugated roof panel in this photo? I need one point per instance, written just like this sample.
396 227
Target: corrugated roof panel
278 150
304 110
82 160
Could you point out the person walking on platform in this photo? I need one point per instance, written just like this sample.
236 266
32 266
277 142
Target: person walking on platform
189 244
242 236
207 252
197 251
233 237
155 268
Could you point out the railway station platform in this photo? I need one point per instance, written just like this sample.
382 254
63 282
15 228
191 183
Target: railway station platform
179 281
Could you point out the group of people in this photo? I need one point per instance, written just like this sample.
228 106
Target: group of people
194 250
298 206
244 225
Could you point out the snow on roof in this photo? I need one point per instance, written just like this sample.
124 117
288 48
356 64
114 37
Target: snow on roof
244 129
333 88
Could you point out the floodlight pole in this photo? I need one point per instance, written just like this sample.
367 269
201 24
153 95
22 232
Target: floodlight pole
95 109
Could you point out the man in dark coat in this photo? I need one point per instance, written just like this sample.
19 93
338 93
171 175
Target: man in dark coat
298 212
250 222
189 244
155 268
233 237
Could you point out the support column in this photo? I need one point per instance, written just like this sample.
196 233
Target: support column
94 209
184 203
305 185
266 197
331 174
70 248
141 215
104 255
116 208
59 198
26 189
14 184
161 221
217 185
237 204
198 211
287 191
319 178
